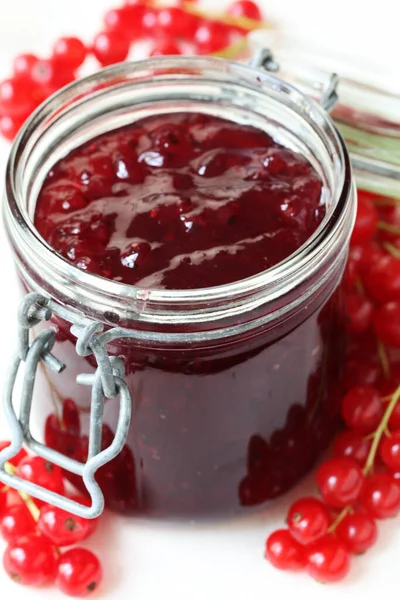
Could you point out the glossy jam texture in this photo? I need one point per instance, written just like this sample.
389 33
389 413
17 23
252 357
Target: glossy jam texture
180 201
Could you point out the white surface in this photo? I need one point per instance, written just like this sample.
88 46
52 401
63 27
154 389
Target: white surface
205 562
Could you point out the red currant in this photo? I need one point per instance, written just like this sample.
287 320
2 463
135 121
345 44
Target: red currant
358 311
70 416
125 21
340 481
10 126
283 551
394 420
3 499
211 36
110 48
69 53
386 321
308 520
41 472
383 280
16 522
23 65
381 496
79 572
245 8
165 48
358 531
362 409
17 459
350 444
390 451
63 528
50 77
30 560
328 560
16 98
366 221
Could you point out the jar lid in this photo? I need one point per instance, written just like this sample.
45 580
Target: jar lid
367 113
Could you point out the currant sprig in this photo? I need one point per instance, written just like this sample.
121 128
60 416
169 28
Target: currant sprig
37 533
360 483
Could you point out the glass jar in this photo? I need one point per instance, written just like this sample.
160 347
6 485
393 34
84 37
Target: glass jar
235 388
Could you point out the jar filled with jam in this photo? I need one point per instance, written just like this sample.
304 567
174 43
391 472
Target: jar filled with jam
197 213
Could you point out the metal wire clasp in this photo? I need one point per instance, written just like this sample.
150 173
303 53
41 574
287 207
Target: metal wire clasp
263 58
107 382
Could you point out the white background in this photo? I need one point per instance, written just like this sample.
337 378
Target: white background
147 561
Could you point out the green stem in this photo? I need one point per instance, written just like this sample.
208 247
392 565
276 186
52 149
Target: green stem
380 432
383 358
343 513
391 249
388 227
29 503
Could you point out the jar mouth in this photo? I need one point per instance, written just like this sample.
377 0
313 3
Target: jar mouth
66 115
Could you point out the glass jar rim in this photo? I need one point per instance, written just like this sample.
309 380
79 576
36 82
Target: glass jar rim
274 280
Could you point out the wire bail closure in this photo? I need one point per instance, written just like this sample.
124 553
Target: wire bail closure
108 381
263 58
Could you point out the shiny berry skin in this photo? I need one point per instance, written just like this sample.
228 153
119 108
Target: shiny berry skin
17 459
283 552
358 531
41 472
366 221
340 481
165 48
48 75
245 8
79 572
63 528
381 496
308 520
351 444
211 36
362 409
69 53
125 21
358 312
383 280
3 499
16 97
386 320
110 48
30 560
390 451
394 420
16 522
10 126
328 560
176 23
23 65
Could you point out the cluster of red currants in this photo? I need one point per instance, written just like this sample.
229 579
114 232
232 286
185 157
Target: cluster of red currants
37 533
172 30
360 483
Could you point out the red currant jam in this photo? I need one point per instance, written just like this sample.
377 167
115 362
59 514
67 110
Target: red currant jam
188 201
180 202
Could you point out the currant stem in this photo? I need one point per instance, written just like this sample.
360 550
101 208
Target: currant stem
232 50
242 22
380 431
383 358
29 503
391 249
388 227
343 513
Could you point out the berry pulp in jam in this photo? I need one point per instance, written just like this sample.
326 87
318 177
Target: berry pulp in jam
186 201
180 201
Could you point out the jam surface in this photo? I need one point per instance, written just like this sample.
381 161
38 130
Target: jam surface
180 201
